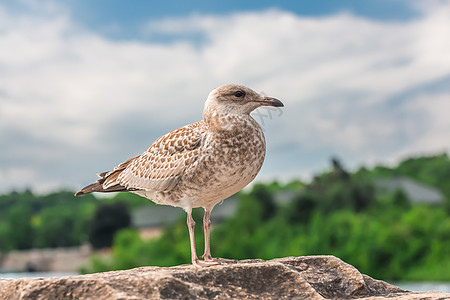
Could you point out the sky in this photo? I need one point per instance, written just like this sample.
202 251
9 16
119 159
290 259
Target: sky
84 85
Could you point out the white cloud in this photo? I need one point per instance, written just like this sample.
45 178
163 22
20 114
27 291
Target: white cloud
435 122
73 102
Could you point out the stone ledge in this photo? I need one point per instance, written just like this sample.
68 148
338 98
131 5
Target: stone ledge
308 277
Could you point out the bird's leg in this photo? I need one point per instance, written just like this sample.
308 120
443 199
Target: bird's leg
191 226
207 229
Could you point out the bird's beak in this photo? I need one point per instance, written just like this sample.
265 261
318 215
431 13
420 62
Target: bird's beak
269 101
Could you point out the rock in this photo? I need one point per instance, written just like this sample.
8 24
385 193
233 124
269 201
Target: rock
309 277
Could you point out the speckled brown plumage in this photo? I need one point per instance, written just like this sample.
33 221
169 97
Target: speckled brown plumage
200 164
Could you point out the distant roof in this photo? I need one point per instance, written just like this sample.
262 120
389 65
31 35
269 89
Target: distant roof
159 215
284 197
224 209
155 215
414 190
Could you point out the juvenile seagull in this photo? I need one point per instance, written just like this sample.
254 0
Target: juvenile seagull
200 164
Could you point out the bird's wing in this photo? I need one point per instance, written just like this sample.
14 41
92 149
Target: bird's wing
162 165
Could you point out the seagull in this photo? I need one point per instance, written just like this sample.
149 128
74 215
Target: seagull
200 164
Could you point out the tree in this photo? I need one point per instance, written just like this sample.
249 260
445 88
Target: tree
265 198
107 220
400 199
301 208
56 228
21 230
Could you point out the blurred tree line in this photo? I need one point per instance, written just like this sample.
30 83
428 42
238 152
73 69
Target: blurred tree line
60 219
338 213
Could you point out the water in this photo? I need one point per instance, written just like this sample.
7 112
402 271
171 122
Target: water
424 286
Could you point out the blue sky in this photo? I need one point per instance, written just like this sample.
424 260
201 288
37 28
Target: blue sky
101 15
85 85
119 19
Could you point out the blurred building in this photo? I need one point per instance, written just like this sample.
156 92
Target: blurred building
151 219
68 259
415 191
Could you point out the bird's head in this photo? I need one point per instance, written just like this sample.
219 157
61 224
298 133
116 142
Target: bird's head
234 99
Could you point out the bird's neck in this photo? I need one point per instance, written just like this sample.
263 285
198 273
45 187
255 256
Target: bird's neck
225 122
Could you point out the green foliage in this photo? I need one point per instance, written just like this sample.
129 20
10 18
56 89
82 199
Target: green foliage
265 197
415 246
19 222
337 214
53 220
301 208
131 200
107 220
56 228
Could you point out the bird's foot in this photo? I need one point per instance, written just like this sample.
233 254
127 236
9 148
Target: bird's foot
218 260
204 263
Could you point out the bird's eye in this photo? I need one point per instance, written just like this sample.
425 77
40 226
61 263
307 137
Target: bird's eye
239 94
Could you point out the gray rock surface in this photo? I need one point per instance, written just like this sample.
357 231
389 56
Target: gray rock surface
309 277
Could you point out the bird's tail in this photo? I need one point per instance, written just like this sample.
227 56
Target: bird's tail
108 181
94 187
98 187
